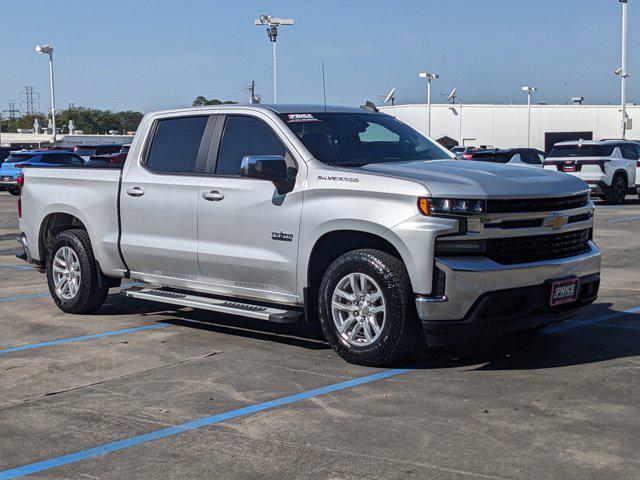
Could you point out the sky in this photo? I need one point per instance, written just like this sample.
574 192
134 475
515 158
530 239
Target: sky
148 55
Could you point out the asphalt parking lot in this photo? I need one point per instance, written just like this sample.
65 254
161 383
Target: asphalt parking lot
145 391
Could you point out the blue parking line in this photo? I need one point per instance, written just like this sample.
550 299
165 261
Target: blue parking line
185 427
16 267
46 294
82 338
23 297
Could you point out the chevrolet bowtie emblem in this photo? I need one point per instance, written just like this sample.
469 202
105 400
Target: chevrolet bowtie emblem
556 222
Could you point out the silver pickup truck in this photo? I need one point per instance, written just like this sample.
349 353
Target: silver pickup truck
300 213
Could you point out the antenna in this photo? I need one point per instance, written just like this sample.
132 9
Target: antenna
452 96
324 87
391 96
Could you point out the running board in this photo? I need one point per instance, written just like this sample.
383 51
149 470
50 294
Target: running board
270 314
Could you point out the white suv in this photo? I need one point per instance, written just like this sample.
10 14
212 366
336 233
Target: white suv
610 167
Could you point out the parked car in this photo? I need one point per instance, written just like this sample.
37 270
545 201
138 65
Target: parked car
511 156
88 151
110 159
12 167
464 152
304 213
610 167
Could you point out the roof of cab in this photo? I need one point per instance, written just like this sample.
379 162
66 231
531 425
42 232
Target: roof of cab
278 108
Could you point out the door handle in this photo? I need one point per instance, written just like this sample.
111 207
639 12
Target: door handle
134 192
213 196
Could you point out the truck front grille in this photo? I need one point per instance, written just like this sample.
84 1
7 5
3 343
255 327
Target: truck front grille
524 249
537 204
538 248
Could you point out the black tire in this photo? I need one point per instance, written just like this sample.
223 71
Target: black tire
617 191
13 191
90 296
401 333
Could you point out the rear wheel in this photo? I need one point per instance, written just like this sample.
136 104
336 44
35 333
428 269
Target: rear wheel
367 311
617 191
72 273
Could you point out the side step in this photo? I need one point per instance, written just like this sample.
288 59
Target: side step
270 314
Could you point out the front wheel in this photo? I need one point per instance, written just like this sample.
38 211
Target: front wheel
72 273
367 310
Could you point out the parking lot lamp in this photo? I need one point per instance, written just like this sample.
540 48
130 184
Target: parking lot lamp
622 71
48 50
529 89
429 77
272 24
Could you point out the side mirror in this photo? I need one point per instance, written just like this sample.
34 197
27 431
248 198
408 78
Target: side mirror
269 167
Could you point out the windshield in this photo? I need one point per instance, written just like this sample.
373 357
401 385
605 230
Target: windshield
582 151
356 139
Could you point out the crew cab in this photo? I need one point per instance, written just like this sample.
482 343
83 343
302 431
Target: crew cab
339 215
610 167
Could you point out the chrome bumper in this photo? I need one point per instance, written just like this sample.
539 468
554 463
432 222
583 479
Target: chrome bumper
468 278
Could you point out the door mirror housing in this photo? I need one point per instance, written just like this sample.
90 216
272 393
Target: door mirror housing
269 167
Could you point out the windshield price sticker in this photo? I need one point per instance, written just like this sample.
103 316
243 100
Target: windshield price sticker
302 117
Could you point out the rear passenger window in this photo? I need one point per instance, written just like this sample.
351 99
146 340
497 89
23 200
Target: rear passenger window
175 145
244 136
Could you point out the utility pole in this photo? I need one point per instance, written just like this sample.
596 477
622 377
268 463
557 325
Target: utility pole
251 88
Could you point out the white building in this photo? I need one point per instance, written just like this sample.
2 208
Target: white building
63 140
505 126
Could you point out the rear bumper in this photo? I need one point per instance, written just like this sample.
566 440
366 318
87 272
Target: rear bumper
484 299
26 252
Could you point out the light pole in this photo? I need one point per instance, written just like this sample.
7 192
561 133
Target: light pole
429 77
272 24
622 71
48 50
529 89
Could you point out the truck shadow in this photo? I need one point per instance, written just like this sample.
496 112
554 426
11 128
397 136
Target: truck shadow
578 342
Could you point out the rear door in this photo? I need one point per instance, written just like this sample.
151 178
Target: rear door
159 197
247 232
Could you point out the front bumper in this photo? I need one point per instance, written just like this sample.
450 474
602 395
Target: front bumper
472 282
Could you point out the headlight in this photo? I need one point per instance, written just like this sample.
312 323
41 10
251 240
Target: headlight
451 206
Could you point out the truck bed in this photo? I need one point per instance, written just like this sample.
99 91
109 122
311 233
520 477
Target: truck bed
87 193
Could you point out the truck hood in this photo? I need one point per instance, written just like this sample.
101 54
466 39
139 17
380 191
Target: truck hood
481 180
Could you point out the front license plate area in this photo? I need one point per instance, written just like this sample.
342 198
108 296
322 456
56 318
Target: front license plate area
569 168
564 291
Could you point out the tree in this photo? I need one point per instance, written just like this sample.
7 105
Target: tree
201 101
88 120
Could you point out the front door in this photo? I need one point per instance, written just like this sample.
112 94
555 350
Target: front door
247 232
158 202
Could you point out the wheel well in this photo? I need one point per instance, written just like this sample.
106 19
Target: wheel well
621 173
52 225
334 244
